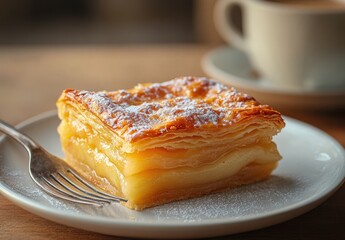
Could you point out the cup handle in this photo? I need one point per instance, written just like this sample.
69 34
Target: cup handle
225 24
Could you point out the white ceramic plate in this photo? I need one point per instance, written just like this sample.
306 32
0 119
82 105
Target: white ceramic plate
313 168
232 67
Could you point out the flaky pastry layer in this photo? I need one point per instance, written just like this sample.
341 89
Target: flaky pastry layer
157 142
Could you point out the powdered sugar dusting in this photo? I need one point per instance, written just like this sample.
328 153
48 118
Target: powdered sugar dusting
154 109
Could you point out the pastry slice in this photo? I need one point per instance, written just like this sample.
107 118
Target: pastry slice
163 142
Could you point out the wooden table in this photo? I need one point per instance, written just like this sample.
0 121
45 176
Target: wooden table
32 78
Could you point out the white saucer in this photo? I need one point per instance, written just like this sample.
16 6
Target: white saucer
312 169
232 67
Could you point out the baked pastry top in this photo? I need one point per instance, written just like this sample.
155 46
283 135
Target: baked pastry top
158 142
182 104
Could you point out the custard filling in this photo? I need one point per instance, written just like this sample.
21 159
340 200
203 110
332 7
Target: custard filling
163 142
163 169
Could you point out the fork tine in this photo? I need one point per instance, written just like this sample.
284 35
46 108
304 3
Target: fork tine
65 195
81 189
87 184
75 193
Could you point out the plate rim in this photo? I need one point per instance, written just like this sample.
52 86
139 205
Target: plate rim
294 210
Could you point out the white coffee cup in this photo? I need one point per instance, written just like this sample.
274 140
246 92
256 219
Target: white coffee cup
295 47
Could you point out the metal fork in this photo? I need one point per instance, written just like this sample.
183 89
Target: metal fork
55 176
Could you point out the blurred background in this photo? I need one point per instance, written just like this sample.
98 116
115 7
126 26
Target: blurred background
25 22
48 46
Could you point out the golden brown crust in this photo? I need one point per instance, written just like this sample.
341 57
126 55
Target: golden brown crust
162 142
182 104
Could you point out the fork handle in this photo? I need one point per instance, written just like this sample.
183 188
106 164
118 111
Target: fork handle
23 139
